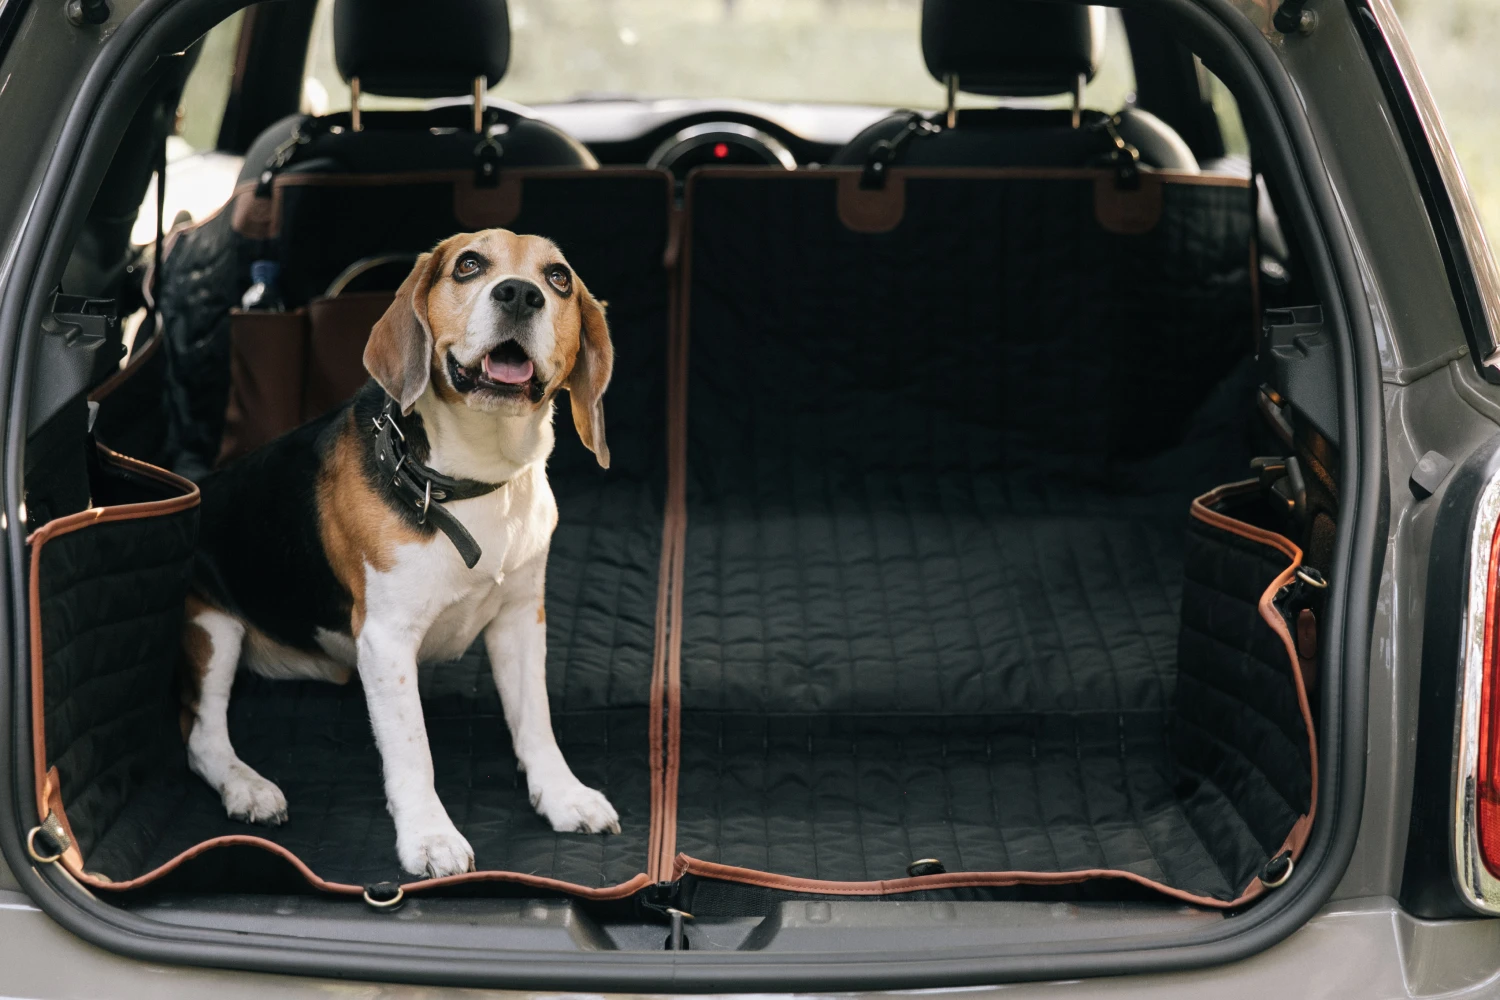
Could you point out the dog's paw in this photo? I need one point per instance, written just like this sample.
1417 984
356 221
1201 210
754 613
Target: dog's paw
575 808
250 798
434 851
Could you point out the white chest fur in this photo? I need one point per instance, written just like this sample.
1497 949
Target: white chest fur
429 594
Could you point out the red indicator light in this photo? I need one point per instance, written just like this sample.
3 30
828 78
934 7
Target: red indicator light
721 150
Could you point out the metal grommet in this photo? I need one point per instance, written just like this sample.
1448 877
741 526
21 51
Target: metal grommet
1279 881
31 847
384 888
926 866
1312 578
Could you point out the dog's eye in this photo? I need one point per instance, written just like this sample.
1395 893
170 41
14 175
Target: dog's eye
467 265
560 278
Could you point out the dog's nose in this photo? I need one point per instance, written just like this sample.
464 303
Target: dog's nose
518 297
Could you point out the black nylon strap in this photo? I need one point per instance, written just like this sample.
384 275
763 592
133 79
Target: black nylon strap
423 488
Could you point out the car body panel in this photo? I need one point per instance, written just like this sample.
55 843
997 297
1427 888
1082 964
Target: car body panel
1365 948
1360 944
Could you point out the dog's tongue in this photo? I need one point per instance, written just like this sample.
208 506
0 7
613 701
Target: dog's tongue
510 372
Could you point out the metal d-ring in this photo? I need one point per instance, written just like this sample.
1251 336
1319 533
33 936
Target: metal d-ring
1312 578
385 904
31 847
1278 883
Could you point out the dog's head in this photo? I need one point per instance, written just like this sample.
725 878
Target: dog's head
496 322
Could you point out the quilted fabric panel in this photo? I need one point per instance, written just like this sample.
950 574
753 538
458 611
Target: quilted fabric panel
997 327
927 594
1238 733
111 598
314 741
203 276
854 799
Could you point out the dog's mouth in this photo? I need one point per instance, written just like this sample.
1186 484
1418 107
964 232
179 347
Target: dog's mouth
504 371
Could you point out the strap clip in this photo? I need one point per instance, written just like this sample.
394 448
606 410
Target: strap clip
883 154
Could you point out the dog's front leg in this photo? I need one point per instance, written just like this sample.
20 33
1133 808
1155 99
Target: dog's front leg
517 644
427 842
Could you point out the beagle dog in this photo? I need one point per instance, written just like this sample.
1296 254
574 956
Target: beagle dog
400 527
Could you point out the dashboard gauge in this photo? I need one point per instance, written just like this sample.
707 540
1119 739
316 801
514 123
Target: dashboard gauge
723 144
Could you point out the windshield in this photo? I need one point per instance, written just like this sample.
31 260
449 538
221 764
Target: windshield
803 51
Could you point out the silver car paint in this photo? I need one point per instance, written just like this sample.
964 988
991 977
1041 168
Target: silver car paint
1361 945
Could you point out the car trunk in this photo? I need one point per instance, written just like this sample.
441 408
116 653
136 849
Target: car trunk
928 568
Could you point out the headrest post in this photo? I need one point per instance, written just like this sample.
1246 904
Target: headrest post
354 121
1083 80
951 79
481 84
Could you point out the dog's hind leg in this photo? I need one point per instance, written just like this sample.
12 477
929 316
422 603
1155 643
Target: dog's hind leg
211 641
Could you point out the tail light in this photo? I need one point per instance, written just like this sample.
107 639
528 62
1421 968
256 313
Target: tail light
1477 753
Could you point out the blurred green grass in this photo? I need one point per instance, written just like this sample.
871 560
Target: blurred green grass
1457 43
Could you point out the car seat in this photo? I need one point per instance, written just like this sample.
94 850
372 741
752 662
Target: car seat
1015 48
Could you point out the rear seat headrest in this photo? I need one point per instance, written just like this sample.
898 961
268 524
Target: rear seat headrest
1012 48
403 48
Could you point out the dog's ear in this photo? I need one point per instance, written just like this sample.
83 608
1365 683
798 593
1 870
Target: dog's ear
399 351
590 375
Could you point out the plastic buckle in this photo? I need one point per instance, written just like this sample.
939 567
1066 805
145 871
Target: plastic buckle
1126 158
487 156
882 154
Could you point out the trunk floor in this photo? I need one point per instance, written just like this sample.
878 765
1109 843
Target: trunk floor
858 799
314 740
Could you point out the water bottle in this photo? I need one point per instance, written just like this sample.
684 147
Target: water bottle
264 293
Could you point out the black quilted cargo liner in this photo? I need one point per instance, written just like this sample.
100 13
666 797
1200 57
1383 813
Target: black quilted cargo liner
934 602
926 589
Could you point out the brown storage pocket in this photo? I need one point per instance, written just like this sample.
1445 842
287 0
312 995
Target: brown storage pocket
287 368
337 331
267 362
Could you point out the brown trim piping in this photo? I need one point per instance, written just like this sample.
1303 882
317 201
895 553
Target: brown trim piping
1296 838
666 719
686 865
343 888
966 173
260 218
